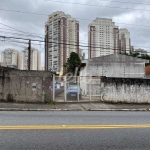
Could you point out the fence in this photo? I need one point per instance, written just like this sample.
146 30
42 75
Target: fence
83 88
87 88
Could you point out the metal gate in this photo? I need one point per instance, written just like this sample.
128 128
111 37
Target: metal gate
76 88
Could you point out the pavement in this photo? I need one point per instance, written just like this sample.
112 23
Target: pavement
73 106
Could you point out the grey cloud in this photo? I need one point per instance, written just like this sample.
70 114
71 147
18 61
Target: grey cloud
35 23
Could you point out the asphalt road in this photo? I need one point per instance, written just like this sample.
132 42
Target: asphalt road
74 130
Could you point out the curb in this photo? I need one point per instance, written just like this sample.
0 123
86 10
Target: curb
143 109
30 109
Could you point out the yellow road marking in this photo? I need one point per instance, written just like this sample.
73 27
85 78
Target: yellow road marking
50 127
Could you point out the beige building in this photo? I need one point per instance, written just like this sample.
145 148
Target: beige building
101 37
104 38
35 59
62 38
124 39
10 57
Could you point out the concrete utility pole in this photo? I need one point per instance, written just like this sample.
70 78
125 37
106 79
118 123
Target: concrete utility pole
29 54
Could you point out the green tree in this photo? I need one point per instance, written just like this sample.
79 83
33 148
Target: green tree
72 63
145 57
134 54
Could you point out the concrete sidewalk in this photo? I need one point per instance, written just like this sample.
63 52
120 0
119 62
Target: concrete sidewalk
98 106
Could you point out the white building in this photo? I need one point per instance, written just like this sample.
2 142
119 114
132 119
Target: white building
10 57
105 38
35 59
141 52
101 37
125 43
81 54
62 38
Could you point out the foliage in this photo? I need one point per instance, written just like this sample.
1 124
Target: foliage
134 54
145 57
72 63
137 55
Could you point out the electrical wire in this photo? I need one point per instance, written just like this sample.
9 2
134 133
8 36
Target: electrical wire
4 37
123 2
75 18
83 4
74 41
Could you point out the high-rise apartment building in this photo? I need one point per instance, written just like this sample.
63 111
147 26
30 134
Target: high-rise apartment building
35 59
101 37
124 39
10 57
105 38
116 40
62 38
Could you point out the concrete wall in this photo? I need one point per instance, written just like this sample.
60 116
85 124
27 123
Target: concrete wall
125 90
25 86
116 65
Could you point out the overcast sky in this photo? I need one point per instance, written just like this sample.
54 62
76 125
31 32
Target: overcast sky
136 19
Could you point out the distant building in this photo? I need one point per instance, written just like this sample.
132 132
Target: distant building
105 38
35 59
62 38
81 54
10 57
42 67
141 52
132 49
124 40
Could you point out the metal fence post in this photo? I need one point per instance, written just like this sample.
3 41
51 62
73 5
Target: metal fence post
65 88
78 87
53 87
90 88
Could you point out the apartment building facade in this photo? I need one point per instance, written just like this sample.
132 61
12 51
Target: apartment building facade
125 42
62 38
101 37
10 57
35 59
105 38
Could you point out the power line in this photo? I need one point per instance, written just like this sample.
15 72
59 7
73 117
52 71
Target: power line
13 44
123 2
56 43
16 29
48 42
96 5
19 34
109 49
74 18
69 41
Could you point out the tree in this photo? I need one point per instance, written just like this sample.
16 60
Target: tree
145 57
134 54
72 63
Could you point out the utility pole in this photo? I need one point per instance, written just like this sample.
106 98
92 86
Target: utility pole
29 54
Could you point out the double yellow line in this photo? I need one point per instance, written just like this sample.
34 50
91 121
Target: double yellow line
51 127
